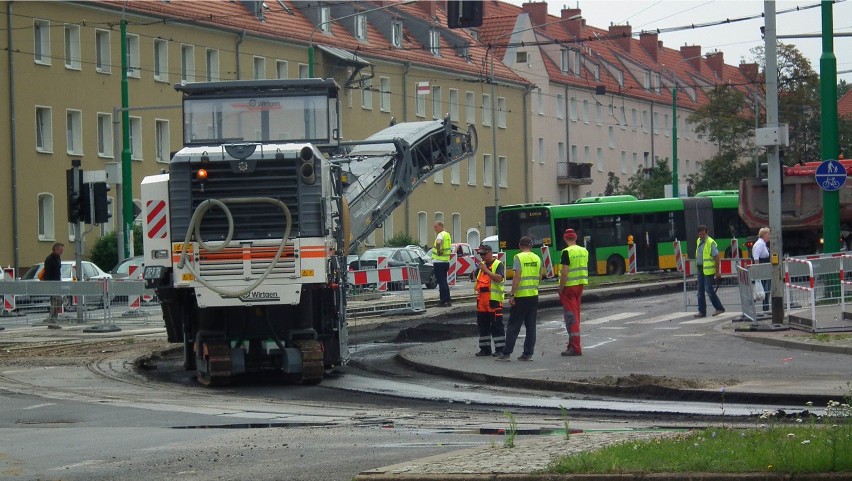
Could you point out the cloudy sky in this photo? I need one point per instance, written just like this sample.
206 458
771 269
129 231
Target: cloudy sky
735 39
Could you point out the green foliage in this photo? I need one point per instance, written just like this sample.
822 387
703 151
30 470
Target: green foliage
612 184
564 413
400 239
722 171
723 120
649 183
105 251
509 442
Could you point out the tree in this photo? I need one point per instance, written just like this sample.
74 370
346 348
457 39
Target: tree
722 121
105 250
721 172
842 88
400 239
649 183
612 184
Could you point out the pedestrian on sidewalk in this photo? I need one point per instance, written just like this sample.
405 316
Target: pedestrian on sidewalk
441 262
760 253
709 268
573 275
52 271
524 301
489 275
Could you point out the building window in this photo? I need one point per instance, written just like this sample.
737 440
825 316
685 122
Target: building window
623 162
420 104
586 111
540 151
259 68
486 110
422 232
454 105
560 107
572 109
72 47
622 120
521 57
438 177
455 174
600 159
41 39
44 129
387 229
396 34
456 222
539 101
361 27
385 98
161 60
656 123
587 154
45 217
502 171
436 103
212 71
574 154
598 113
367 94
470 107
134 63
635 163
611 136
187 63
471 170
102 51
565 60
74 132
645 121
576 57
304 71
501 112
135 138
435 42
560 152
487 170
105 140
666 125
634 119
161 128
325 20
281 69
646 80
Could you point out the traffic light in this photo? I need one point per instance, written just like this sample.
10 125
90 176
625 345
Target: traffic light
763 174
75 207
464 13
102 202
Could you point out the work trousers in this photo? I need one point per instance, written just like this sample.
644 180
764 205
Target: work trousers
524 313
491 328
441 269
705 285
570 298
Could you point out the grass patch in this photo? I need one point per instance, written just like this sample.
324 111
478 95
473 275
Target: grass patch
830 337
814 445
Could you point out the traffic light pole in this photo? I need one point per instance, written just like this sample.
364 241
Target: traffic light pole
78 231
829 144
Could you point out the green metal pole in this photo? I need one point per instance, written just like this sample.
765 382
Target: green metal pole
311 60
674 141
126 167
829 142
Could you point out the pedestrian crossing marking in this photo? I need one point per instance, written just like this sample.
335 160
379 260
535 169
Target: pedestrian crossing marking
613 328
614 317
663 318
709 319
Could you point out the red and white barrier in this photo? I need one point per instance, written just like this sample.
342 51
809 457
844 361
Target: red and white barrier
547 261
678 256
134 302
735 249
809 289
451 271
378 276
9 300
631 255
382 264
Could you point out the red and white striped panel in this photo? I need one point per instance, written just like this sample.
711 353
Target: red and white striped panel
451 271
382 264
547 261
134 302
156 219
376 276
9 300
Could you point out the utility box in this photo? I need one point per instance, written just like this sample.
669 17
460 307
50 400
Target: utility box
772 136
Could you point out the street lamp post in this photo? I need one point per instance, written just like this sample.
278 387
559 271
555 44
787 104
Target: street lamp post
675 192
311 37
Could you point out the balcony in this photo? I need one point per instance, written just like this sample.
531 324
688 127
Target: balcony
572 173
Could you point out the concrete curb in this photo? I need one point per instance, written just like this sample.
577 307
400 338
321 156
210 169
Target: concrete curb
367 476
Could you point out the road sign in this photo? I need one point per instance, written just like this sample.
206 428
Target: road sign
831 175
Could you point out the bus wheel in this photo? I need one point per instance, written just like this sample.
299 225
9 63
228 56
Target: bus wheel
615 265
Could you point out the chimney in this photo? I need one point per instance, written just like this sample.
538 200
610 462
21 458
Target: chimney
716 61
537 12
693 53
430 8
750 71
622 34
575 27
649 42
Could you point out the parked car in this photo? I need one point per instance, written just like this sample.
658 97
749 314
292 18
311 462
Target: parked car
122 270
397 257
461 249
419 252
91 272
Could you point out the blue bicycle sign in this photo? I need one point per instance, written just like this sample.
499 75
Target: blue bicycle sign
830 175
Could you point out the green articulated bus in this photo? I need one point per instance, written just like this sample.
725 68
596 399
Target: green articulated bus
604 225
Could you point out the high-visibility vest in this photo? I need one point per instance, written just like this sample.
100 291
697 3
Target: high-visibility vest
578 270
444 256
530 274
495 288
708 263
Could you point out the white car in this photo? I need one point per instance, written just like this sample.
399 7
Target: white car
91 272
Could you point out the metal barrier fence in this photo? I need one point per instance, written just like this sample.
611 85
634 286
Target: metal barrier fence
391 291
815 292
727 288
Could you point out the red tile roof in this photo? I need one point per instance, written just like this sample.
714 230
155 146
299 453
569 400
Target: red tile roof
844 105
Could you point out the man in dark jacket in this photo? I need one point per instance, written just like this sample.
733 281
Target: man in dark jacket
53 272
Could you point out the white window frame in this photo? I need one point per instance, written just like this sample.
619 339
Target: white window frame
487 170
565 60
259 67
560 107
455 174
486 110
503 171
41 42
634 117
304 70
623 161
422 231
611 136
599 160
435 42
471 170
419 105
501 112
470 107
212 69
44 129
162 140
385 94
574 154
539 153
436 103
454 105
572 109
367 94
396 34
325 20
136 138
73 51
645 121
439 177
161 60
103 57
586 111
134 62
361 27
539 101
74 132
560 152
656 121
598 113
46 216
187 62
281 69
105 138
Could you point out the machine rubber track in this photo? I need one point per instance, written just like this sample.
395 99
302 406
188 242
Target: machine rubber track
215 355
312 361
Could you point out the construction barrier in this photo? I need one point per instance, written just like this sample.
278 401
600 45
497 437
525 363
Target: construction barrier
735 249
727 288
631 256
678 256
815 289
8 300
547 262
451 271
405 291
754 309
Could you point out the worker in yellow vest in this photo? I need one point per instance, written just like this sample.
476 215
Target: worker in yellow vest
573 275
441 262
490 276
524 301
709 267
